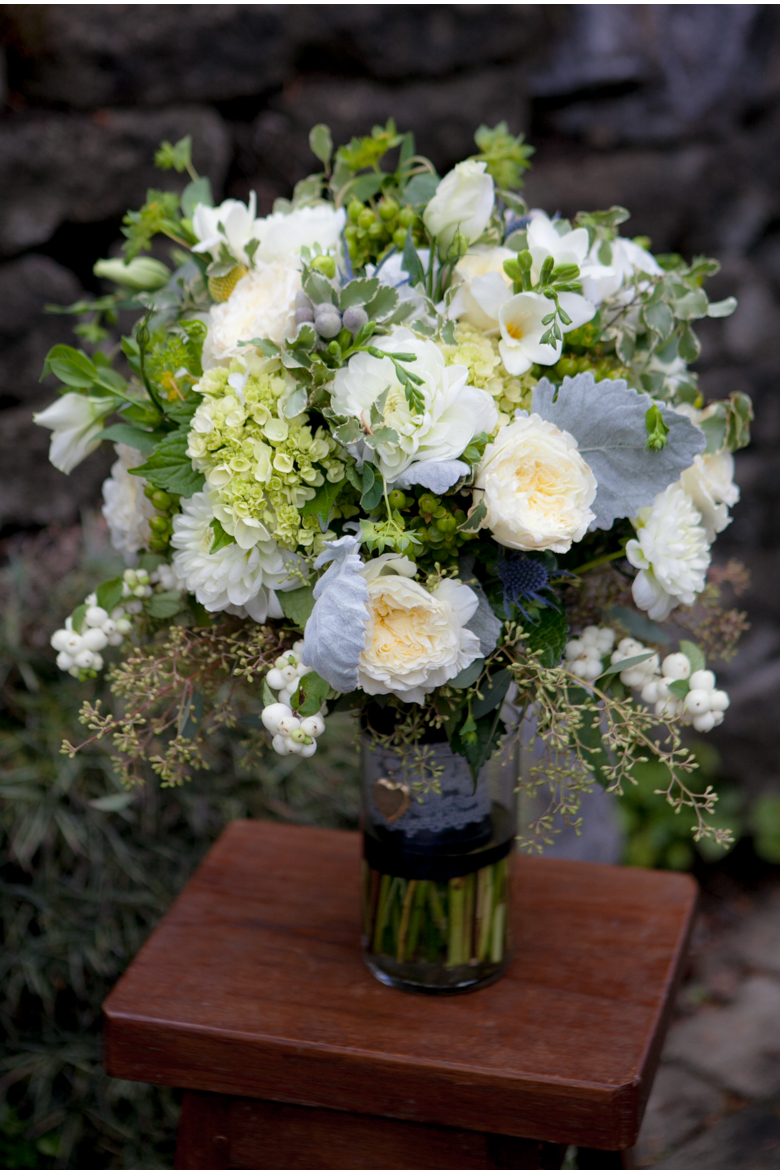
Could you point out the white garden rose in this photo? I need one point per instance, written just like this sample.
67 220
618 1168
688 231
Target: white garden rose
536 487
126 508
282 236
710 484
234 580
415 640
463 203
76 422
453 411
671 552
261 305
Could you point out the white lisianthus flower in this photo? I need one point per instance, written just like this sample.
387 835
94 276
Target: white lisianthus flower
536 487
521 320
671 552
282 236
626 261
231 225
77 422
261 305
710 484
463 203
126 508
415 640
453 411
480 272
234 580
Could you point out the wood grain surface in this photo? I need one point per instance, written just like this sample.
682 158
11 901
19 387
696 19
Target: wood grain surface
253 986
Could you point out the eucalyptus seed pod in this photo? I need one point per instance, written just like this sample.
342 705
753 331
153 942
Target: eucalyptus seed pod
355 317
220 287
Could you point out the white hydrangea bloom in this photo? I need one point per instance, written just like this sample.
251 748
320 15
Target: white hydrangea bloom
671 552
126 509
453 412
261 305
234 580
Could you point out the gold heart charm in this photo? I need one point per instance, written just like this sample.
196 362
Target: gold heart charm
391 799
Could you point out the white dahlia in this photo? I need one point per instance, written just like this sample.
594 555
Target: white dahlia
261 305
126 508
671 552
235 580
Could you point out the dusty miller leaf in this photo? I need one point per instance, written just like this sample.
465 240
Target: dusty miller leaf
336 630
608 421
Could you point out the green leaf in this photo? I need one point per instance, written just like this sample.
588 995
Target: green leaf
679 688
311 694
221 538
307 191
71 366
169 467
79 613
549 635
113 803
383 304
297 605
474 519
420 189
165 605
694 654
411 262
639 625
198 191
739 418
321 505
268 699
373 487
177 158
109 594
191 716
660 319
296 402
358 292
589 735
200 615
366 186
691 305
482 745
145 441
722 308
468 675
318 289
625 664
657 430
321 143
493 694
688 345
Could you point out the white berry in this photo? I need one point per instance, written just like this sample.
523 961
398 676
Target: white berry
279 744
273 714
95 616
313 725
697 702
719 701
676 666
94 639
702 680
704 722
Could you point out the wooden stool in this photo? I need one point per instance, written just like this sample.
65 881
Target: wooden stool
252 996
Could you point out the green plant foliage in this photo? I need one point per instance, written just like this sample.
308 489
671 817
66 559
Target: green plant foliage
88 869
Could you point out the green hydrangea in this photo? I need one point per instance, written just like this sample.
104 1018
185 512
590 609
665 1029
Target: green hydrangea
261 466
481 357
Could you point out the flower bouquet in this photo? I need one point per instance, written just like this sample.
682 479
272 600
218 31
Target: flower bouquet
406 448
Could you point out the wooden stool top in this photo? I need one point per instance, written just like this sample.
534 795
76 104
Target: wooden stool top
253 985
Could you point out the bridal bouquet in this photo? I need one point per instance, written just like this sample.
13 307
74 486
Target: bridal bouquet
408 448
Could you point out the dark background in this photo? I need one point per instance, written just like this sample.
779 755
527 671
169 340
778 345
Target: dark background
670 110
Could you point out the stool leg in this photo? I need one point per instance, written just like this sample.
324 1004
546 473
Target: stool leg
202 1141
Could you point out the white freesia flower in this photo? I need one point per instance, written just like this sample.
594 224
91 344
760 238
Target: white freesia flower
521 320
569 246
76 421
231 225
536 487
282 236
463 203
126 508
453 411
261 305
710 484
415 640
233 580
480 271
671 551
626 261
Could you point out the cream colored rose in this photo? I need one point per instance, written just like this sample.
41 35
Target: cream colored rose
261 305
536 487
415 640
710 484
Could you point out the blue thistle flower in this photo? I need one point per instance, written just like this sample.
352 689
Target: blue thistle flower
524 579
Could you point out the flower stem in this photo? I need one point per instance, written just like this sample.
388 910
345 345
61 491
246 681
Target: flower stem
457 910
613 556
403 929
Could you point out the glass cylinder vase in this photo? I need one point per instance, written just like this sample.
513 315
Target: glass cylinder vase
436 871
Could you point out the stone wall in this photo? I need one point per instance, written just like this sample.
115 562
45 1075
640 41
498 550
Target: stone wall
671 110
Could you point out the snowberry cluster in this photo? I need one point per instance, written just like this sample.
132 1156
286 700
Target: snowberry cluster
292 734
79 652
672 687
584 654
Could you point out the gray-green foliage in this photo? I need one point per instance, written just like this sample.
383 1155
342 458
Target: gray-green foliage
82 885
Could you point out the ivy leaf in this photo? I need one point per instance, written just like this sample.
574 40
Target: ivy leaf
358 292
297 605
474 518
169 467
608 421
383 304
321 505
109 594
221 538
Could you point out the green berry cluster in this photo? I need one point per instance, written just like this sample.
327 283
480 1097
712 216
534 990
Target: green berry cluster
601 367
373 230
167 505
436 523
